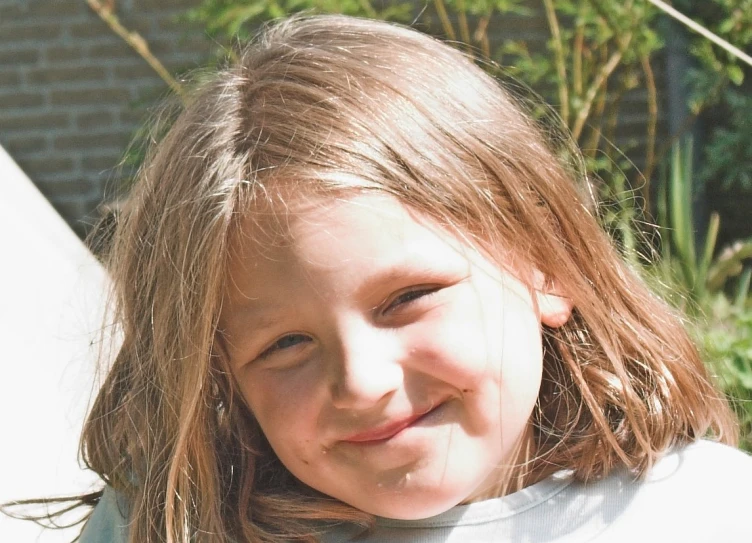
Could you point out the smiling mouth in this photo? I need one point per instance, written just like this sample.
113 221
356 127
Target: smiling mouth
387 431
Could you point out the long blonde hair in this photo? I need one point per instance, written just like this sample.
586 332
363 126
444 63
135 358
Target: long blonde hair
396 111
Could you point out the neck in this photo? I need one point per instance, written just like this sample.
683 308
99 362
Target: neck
520 472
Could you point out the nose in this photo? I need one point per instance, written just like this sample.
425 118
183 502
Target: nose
367 368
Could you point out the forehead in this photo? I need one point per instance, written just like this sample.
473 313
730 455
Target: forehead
340 242
332 231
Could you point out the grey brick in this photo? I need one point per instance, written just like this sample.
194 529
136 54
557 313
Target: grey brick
96 119
16 57
57 8
19 146
90 29
136 70
56 53
29 121
48 76
151 92
158 5
87 141
101 164
37 31
113 51
12 11
21 99
133 116
64 189
9 77
180 47
40 167
90 96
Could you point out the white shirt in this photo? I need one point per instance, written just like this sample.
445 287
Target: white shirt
701 493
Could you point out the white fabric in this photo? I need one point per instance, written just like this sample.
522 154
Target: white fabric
51 301
698 494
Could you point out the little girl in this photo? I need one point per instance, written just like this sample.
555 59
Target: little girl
362 298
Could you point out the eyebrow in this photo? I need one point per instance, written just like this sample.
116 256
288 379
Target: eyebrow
406 271
243 315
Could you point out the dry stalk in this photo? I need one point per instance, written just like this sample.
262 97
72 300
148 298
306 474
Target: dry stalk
591 147
462 17
138 43
600 79
579 41
561 67
651 129
446 23
481 35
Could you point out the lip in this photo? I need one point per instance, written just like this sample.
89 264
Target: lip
386 431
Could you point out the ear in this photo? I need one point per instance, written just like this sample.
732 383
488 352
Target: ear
554 306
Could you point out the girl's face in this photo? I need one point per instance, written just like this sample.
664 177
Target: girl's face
389 364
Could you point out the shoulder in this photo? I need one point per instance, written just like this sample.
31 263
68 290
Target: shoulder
703 465
705 450
108 522
699 492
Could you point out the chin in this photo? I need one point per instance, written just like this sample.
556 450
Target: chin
413 505
411 511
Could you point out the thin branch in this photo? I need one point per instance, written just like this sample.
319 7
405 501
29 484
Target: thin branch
464 27
136 42
600 79
561 67
591 147
446 23
651 130
602 102
738 53
579 41
612 121
481 34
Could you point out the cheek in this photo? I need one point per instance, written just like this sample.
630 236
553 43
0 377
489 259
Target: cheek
496 338
285 409
521 365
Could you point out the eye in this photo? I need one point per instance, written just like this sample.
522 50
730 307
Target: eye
410 296
285 342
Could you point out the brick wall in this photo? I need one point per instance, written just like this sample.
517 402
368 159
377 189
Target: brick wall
72 93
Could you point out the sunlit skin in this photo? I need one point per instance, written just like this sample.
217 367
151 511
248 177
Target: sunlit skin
389 364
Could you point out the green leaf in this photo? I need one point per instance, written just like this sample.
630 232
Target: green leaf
711 236
742 292
735 74
680 211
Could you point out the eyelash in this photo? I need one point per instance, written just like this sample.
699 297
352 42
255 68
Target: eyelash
275 347
411 296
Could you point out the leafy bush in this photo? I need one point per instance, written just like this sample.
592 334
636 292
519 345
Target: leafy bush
726 338
712 290
721 97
